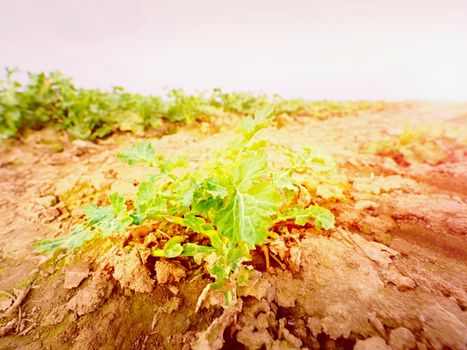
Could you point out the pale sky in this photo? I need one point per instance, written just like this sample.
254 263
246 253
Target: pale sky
346 49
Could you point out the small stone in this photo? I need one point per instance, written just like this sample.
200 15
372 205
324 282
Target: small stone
329 344
80 143
130 271
376 224
421 346
348 217
48 215
376 322
402 339
443 329
167 272
373 343
365 204
392 275
47 201
75 274
92 296
81 147
174 290
391 165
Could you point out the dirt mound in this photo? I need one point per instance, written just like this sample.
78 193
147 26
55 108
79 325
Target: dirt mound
392 276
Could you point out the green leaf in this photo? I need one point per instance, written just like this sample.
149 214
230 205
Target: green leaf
197 224
216 241
183 191
250 126
208 195
312 159
98 215
284 180
149 203
251 168
198 252
215 189
172 248
206 206
243 277
73 240
167 165
322 217
191 249
110 219
141 152
247 215
118 205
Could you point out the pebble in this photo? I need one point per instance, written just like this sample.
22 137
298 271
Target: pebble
365 204
47 201
373 343
402 339
75 274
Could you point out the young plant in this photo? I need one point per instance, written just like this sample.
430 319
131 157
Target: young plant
234 200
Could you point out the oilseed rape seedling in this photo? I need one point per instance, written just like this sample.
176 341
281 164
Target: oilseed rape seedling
233 200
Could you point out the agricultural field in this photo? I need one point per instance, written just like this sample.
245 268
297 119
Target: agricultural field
229 221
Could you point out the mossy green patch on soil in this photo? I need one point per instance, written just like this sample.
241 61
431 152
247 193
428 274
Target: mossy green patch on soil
52 332
74 194
26 282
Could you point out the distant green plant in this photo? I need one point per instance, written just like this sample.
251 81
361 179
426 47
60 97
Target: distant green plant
324 109
425 144
52 99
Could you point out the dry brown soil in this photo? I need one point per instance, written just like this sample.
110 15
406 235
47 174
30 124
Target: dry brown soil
392 275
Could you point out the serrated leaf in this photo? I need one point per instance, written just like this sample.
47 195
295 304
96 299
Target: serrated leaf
312 159
149 203
322 217
284 181
141 152
118 205
73 240
167 165
262 119
110 219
